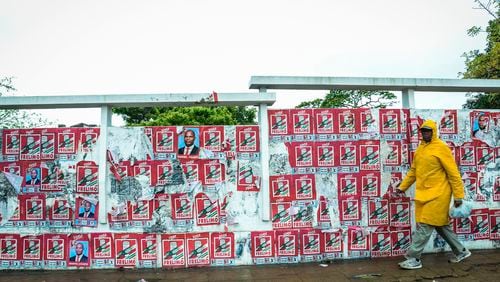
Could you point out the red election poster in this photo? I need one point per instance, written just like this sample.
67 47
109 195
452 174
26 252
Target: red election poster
67 140
32 176
141 212
280 215
325 122
347 121
52 178
399 213
494 224
102 253
481 190
192 170
484 155
32 207
182 208
463 228
55 250
370 183
454 150
87 177
302 121
414 134
119 217
12 168
144 168
147 250
348 185
369 155
449 122
262 246
222 248
301 154
350 209
393 156
326 153
165 139
380 241
173 250
378 212
389 121
164 173
125 249
88 139
467 154
479 218
367 121
32 251
400 240
496 189
323 212
212 138
310 247
79 250
198 249
281 188
287 245
303 216
11 143
305 186
48 143
348 154
60 212
214 172
332 244
10 250
207 211
30 145
247 139
148 131
86 212
279 122
470 183
357 239
247 179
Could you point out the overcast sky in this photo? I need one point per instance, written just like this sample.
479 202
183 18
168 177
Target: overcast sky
108 47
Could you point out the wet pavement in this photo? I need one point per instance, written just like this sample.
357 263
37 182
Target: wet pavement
481 266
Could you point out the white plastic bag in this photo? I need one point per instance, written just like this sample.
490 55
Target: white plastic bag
463 211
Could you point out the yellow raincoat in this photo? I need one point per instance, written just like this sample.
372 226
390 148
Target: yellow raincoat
437 176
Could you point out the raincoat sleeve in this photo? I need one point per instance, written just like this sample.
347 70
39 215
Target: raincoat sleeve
454 177
409 179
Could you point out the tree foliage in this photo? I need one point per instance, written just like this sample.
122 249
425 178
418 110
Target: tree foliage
485 64
188 115
352 99
16 118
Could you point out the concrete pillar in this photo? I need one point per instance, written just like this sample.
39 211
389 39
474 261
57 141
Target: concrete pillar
103 166
408 97
264 201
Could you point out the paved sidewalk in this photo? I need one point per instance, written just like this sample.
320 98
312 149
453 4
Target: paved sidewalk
481 266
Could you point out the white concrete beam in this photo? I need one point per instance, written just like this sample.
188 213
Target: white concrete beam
104 182
374 83
136 100
408 98
264 162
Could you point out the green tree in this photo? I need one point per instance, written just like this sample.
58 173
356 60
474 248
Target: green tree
485 64
188 115
352 99
17 118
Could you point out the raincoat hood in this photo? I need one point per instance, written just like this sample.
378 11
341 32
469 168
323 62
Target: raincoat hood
430 124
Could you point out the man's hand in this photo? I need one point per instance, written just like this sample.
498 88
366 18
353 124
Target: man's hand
457 203
397 193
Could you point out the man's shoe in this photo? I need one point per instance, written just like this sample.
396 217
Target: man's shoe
411 263
465 254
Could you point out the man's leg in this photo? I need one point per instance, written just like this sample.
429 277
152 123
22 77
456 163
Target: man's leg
458 249
418 241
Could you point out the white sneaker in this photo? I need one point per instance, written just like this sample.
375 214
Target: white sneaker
461 256
411 263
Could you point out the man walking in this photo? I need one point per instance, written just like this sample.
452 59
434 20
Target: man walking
437 178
